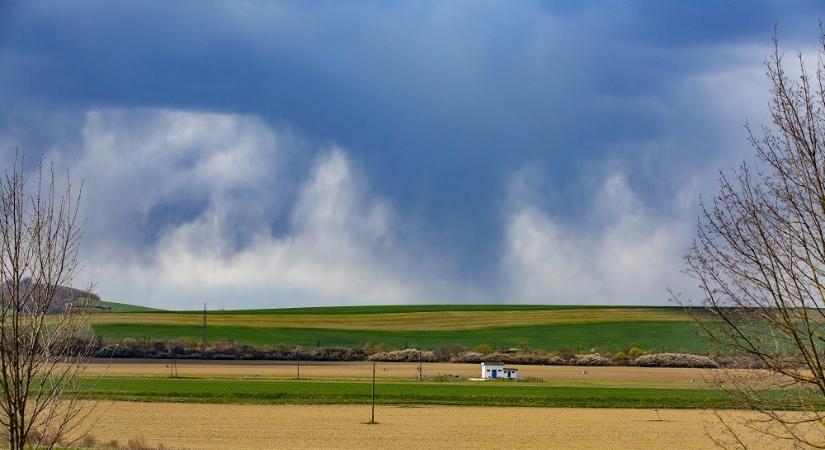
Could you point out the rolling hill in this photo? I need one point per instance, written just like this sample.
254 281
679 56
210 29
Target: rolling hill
544 327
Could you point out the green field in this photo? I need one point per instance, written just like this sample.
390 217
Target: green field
658 336
212 390
397 309
422 326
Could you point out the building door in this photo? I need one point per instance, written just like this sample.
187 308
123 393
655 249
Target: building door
495 372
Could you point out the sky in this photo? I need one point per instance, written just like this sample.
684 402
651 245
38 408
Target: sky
255 153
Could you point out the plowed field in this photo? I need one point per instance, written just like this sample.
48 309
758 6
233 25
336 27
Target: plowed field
202 426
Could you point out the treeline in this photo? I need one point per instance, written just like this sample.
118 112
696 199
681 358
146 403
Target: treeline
183 348
221 350
551 359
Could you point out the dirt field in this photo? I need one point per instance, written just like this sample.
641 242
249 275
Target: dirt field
200 426
442 320
568 375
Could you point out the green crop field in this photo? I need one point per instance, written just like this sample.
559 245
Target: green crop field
212 390
393 309
422 326
659 336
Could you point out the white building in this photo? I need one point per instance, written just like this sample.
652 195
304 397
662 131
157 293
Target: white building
495 370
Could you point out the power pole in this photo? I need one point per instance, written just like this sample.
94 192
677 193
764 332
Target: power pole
205 340
299 369
372 418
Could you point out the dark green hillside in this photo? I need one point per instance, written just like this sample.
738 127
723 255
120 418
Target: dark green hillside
398 309
611 336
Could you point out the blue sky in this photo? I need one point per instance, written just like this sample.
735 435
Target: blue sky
254 153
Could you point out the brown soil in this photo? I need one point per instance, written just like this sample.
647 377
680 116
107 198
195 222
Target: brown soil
442 320
201 426
568 375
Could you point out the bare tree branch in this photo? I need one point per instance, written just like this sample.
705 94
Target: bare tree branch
759 259
42 347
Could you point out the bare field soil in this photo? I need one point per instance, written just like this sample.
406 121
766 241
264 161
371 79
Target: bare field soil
568 375
203 426
442 320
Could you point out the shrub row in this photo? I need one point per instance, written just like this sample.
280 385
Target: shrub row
231 352
408 355
468 358
221 350
533 358
675 360
592 359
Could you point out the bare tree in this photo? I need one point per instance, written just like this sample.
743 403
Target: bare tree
759 258
41 350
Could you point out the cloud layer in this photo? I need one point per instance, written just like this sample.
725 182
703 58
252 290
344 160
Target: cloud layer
217 182
287 153
621 253
256 238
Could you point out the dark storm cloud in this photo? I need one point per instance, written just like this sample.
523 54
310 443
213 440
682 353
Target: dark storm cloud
441 103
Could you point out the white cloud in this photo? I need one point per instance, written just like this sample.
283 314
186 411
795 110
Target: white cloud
341 244
622 253
241 225
339 249
150 168
621 247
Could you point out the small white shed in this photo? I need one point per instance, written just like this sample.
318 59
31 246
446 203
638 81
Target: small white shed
496 370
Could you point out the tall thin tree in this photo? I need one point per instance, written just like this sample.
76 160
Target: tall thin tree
41 347
759 258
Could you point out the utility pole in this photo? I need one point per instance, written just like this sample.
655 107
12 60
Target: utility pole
205 340
372 418
299 369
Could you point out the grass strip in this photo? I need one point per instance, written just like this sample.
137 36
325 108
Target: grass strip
253 391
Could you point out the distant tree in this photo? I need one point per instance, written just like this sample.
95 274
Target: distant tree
41 350
759 258
484 349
